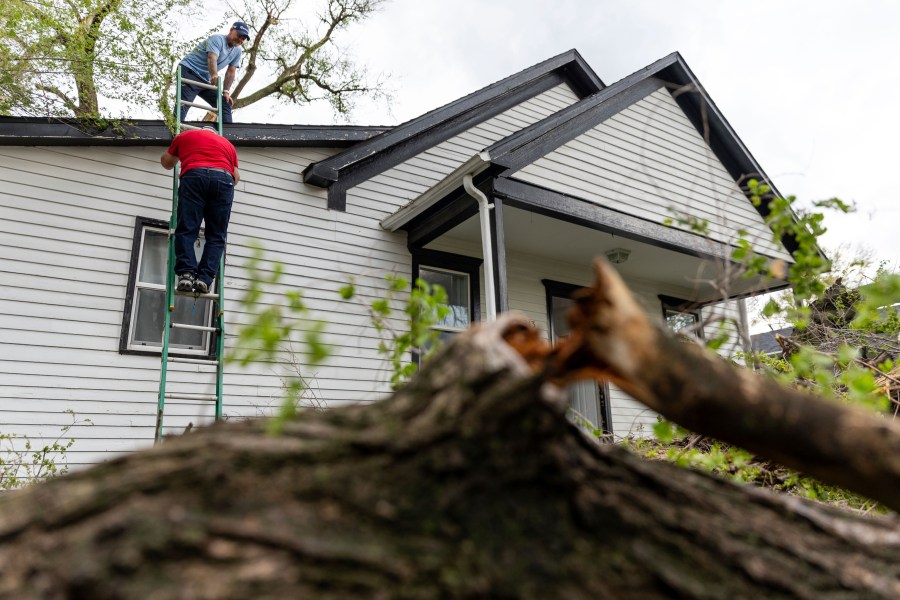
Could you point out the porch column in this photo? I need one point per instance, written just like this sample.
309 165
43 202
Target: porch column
498 257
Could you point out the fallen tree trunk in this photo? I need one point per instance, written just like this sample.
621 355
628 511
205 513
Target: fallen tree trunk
469 482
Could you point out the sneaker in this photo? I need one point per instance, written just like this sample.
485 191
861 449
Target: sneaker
185 282
201 287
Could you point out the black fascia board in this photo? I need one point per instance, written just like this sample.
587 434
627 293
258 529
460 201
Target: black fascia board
564 207
37 131
419 134
554 131
525 146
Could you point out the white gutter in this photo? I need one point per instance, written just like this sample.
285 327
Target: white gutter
407 213
487 249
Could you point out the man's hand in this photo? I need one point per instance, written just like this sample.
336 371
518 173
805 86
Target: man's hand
168 161
228 98
213 78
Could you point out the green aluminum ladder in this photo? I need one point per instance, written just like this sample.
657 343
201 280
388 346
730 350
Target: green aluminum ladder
218 328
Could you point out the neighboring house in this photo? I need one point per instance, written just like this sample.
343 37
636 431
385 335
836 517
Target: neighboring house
767 343
571 169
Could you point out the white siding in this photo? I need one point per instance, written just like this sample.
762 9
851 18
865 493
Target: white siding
647 161
394 188
67 218
527 295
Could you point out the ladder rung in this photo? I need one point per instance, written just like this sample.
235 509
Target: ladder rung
186 396
199 84
193 361
194 327
186 126
201 106
196 295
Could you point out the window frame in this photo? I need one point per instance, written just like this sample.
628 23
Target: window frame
454 263
682 306
559 289
142 224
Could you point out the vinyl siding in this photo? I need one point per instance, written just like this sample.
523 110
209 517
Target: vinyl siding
528 296
650 162
396 187
67 218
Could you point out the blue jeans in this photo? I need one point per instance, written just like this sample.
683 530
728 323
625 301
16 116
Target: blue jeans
203 195
190 92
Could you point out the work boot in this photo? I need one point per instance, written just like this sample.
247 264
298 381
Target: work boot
185 282
201 287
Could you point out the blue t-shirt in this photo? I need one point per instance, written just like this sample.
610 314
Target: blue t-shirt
196 60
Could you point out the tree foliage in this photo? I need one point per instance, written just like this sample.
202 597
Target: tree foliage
105 58
302 65
844 346
72 58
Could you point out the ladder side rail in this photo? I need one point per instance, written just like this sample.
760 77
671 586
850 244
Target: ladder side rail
170 276
220 282
221 102
220 337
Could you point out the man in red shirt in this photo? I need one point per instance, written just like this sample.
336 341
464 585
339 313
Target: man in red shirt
205 193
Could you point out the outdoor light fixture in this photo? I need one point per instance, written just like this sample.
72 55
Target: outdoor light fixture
617 255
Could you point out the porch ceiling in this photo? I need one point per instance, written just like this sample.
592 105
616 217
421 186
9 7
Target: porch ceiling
546 237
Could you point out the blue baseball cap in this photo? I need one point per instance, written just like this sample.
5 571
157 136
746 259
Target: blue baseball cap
242 29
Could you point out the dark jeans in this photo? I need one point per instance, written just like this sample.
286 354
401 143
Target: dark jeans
203 195
190 92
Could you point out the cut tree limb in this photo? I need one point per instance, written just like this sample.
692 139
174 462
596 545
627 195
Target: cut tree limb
467 483
836 443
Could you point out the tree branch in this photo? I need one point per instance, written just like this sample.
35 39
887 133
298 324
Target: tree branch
613 339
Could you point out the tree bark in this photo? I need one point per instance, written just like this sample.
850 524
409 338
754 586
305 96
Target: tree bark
467 483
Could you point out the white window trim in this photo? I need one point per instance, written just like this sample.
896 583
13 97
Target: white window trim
138 285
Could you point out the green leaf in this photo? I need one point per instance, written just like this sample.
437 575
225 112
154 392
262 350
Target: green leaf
347 292
664 431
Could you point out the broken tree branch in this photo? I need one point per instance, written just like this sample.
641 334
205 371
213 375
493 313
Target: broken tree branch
839 444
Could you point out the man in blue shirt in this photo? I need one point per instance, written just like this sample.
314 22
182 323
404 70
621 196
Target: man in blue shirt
205 61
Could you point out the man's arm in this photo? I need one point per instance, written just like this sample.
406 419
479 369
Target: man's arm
168 161
237 176
211 64
226 85
229 77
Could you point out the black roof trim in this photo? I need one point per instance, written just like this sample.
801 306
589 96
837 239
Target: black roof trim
37 131
410 138
538 139
535 198
527 145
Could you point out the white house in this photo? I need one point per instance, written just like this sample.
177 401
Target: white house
564 168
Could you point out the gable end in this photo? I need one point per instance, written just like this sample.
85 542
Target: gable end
347 169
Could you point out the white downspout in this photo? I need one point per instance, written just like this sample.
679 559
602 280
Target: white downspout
484 215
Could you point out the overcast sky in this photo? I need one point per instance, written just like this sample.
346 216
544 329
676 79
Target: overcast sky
809 86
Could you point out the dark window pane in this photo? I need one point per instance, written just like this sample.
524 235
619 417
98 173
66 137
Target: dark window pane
148 323
153 258
155 254
457 287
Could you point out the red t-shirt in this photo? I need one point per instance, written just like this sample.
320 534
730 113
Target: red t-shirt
203 148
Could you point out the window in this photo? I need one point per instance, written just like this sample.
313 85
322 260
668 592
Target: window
457 287
588 400
144 315
681 315
458 275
